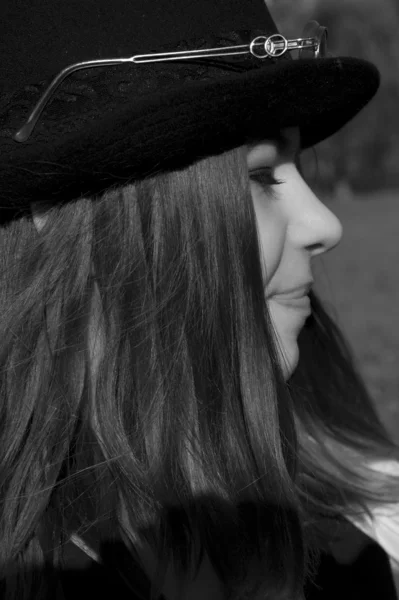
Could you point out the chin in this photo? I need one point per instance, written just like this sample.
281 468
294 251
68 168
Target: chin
287 324
289 357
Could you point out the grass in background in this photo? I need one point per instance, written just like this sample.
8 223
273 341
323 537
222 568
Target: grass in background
359 283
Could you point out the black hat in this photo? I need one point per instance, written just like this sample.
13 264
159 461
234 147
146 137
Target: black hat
110 123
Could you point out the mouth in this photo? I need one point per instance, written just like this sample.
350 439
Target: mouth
301 303
296 298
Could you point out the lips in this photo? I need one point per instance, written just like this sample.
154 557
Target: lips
296 292
297 297
301 303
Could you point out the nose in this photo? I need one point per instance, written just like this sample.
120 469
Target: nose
316 227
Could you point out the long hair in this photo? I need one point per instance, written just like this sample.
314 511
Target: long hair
187 439
342 440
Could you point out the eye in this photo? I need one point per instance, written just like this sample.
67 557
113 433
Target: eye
264 177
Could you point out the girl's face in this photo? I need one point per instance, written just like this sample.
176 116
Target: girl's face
294 226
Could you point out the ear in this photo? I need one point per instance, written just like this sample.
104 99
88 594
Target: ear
39 215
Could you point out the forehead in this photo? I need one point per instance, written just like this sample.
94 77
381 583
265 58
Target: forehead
281 142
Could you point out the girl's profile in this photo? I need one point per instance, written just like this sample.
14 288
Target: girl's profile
180 416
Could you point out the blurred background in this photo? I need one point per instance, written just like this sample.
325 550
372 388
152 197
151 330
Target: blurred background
356 172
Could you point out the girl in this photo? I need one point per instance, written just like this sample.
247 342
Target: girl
179 415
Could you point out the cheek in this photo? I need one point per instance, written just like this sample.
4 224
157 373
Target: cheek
272 235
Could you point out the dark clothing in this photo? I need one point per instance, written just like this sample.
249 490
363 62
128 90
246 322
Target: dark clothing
369 577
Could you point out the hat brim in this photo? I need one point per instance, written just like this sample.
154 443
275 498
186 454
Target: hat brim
174 129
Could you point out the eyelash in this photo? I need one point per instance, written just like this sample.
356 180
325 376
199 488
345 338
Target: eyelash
264 177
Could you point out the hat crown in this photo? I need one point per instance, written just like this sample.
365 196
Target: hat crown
42 37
